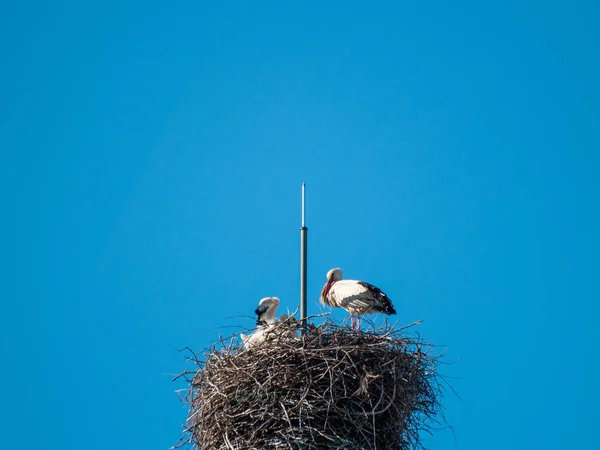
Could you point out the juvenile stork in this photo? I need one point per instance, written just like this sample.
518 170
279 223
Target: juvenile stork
356 297
265 319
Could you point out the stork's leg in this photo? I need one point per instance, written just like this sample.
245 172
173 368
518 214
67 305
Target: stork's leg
358 320
352 318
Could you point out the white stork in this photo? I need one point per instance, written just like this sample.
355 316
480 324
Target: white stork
356 297
265 319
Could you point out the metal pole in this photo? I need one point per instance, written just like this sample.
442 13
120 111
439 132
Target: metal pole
303 249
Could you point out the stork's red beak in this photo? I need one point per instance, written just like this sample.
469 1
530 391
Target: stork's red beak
325 290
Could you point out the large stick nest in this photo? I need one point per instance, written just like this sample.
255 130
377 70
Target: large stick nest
331 388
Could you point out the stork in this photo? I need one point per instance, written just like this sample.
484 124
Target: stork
356 297
265 311
265 319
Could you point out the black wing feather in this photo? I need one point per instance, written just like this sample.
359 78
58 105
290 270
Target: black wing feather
259 311
382 302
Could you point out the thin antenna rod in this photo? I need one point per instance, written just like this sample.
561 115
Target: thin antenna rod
303 252
303 205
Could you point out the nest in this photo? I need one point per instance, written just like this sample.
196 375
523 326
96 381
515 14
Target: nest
330 388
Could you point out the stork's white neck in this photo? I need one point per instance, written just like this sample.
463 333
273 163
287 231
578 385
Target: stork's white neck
269 317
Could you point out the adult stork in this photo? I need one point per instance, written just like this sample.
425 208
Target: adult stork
265 319
356 297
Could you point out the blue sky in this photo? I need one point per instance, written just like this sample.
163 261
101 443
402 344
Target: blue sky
152 157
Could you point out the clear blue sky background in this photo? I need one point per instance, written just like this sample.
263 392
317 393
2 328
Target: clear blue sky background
152 158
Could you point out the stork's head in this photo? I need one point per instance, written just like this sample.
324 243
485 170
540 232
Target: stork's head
286 318
265 311
332 276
